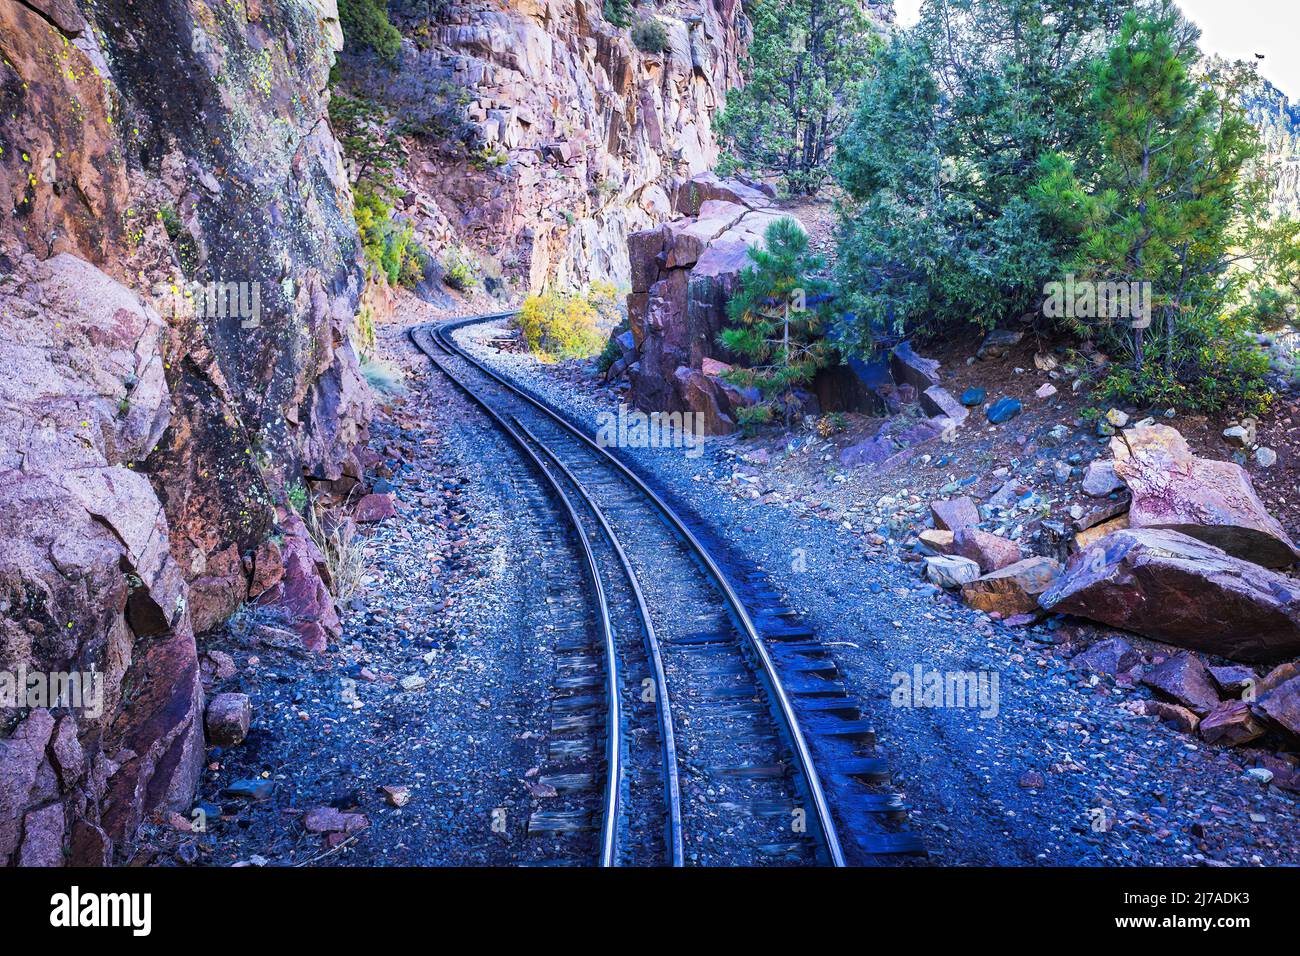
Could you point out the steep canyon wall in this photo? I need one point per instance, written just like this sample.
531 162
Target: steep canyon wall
577 138
152 154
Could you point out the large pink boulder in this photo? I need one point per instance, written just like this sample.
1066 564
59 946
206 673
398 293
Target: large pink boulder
1170 586
1213 501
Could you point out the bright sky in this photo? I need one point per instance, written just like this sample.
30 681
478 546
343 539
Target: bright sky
1236 29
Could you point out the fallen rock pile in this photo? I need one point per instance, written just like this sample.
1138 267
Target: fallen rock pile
1181 550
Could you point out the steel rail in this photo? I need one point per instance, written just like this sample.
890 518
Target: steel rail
614 731
668 739
784 708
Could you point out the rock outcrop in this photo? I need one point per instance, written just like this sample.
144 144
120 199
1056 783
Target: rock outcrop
1012 590
538 132
88 585
1167 585
179 282
683 273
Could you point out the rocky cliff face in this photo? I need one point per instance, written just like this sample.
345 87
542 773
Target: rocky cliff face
1278 120
178 279
568 136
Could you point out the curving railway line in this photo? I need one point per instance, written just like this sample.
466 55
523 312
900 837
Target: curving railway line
695 720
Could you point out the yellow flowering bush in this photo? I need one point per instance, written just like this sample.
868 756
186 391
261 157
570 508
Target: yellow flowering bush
561 325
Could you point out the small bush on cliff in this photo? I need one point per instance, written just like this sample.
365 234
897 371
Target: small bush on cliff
390 245
458 269
366 26
297 495
617 12
374 154
779 313
650 36
561 325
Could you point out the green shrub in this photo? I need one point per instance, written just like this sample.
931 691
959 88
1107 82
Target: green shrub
365 329
607 300
750 417
1214 365
366 26
171 221
297 495
612 351
650 36
458 269
617 12
389 244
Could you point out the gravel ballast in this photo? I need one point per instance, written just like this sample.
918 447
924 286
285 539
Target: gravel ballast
1062 771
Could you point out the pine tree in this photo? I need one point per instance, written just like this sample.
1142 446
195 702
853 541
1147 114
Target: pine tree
800 68
1177 201
939 228
779 315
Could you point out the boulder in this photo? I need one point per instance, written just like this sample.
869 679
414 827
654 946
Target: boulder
1234 680
1231 724
873 451
303 593
1102 513
998 343
1183 678
1213 501
374 508
1177 716
937 540
1014 589
1277 677
709 186
949 571
908 368
1281 705
990 551
704 398
1088 536
1166 585
953 513
643 250
255 789
973 397
330 820
1111 657
1003 410
267 568
1100 479
687 239
935 400
228 718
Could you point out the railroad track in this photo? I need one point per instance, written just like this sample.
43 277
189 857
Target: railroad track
715 705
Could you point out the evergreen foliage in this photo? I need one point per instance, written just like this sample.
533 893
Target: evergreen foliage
778 317
800 70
